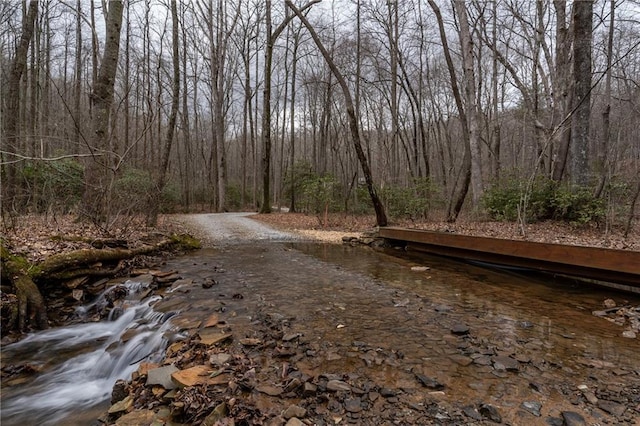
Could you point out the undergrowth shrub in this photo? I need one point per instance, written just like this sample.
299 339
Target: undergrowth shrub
56 185
515 198
413 202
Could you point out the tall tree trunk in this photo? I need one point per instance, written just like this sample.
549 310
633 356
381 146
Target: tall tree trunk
156 199
562 96
461 185
95 201
582 30
271 37
11 106
466 43
606 113
381 216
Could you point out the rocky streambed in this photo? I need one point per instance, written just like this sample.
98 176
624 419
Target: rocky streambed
274 331
342 335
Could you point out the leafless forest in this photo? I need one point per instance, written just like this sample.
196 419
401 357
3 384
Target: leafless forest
512 109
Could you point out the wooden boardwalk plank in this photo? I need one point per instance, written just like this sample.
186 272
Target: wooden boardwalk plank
589 262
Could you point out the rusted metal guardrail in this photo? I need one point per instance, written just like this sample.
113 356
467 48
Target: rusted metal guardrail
610 265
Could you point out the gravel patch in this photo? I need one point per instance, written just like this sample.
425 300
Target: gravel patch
234 228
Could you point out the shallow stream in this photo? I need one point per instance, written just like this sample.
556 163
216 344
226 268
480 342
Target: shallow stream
343 299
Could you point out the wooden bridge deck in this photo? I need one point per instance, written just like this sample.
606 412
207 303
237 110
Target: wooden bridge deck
610 265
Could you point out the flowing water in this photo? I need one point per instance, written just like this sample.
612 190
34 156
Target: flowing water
79 364
342 298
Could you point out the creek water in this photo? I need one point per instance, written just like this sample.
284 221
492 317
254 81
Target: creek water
341 298
78 365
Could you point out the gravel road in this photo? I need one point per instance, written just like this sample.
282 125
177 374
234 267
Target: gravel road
233 228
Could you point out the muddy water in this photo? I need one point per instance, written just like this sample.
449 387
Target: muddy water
367 313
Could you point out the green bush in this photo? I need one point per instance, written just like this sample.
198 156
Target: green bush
413 202
58 184
577 206
515 198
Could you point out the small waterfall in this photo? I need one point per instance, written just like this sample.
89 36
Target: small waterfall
80 363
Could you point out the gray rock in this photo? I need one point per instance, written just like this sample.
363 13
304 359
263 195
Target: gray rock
590 397
571 418
338 385
162 376
533 407
429 382
505 363
119 391
309 389
294 411
294 422
353 405
472 412
490 412
612 408
219 359
460 329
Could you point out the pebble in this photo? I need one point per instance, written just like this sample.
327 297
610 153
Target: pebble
490 412
460 329
571 418
533 407
338 385
294 411
353 405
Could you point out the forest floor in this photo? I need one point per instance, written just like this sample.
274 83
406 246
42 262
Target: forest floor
37 237
337 225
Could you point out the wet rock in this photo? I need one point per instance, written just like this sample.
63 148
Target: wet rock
353 405
505 363
290 336
119 391
429 382
388 393
136 418
590 396
208 283
294 411
198 375
460 329
121 406
294 422
269 390
212 336
490 412
612 408
532 407
309 389
250 342
162 376
461 360
472 412
217 415
571 418
338 385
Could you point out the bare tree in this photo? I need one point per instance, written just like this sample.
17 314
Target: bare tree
156 198
11 107
580 121
98 172
381 216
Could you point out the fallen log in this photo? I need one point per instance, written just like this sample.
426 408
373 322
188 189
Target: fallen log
31 308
